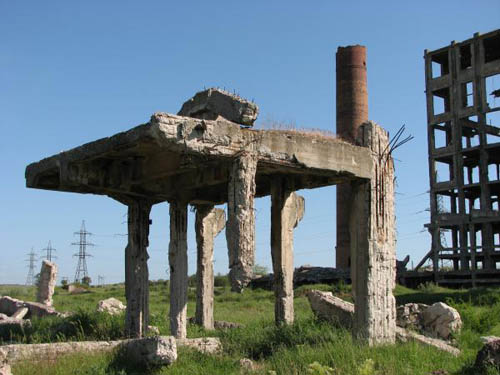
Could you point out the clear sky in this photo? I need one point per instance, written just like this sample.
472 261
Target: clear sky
72 72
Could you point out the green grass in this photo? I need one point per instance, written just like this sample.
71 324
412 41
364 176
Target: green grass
283 350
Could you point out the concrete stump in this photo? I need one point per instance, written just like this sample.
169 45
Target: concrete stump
373 255
240 229
287 209
152 351
209 222
177 257
47 283
136 269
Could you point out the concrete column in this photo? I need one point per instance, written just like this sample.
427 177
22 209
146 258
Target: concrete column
47 283
136 269
177 258
240 229
372 226
287 209
209 222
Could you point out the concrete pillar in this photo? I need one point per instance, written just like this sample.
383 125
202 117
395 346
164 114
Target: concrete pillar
287 209
136 269
373 255
240 229
209 222
47 283
352 111
177 257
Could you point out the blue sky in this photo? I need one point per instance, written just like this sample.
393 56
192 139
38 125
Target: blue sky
73 72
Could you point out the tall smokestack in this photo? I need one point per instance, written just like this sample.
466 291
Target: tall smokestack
352 111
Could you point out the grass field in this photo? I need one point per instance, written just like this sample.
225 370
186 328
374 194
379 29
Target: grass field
307 347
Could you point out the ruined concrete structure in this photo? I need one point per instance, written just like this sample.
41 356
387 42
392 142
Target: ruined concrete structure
463 116
46 283
203 163
352 111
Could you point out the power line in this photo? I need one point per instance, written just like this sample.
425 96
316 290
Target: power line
49 249
30 279
81 268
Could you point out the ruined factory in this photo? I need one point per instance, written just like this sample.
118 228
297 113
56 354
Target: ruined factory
463 124
208 154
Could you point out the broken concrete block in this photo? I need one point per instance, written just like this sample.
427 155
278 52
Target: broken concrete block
3 316
441 320
111 306
9 305
20 313
10 323
39 309
488 356
152 351
212 103
404 335
331 308
46 283
208 345
4 365
221 324
154 330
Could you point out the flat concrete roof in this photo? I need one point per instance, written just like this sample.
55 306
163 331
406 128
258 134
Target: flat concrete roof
173 157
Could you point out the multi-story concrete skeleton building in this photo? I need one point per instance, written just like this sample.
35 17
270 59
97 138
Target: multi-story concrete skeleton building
463 122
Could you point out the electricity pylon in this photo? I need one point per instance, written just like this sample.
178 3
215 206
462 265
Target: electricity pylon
81 268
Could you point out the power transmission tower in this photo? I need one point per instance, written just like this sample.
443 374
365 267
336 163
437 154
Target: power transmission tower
30 279
49 249
81 268
100 281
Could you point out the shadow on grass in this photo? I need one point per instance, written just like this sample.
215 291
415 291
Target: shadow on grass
477 296
120 364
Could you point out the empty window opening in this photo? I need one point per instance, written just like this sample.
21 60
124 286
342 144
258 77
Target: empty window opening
446 204
471 204
445 238
479 265
465 57
442 135
491 48
471 175
470 135
496 239
443 171
493 91
467 94
441 100
479 239
493 134
494 203
497 265
440 64
493 172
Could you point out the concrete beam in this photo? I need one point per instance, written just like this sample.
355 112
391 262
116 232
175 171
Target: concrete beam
287 209
177 257
240 229
136 269
209 222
